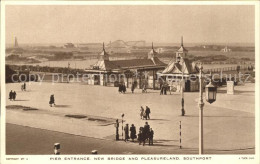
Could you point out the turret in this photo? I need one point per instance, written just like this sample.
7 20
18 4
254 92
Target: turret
103 56
182 52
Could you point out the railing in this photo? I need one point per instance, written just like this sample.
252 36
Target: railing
234 68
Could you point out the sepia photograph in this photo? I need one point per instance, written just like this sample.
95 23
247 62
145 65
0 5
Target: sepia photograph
129 79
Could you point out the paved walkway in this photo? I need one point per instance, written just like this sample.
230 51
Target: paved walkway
42 141
227 124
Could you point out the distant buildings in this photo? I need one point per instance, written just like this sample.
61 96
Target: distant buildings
140 43
160 50
226 49
69 45
118 46
136 71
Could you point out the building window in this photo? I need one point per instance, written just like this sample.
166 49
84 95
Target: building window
96 67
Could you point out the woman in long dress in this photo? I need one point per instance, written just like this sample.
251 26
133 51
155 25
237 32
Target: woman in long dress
132 132
142 112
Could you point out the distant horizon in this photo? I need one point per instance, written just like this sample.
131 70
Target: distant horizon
56 24
174 43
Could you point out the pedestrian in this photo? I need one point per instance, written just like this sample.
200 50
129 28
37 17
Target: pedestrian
162 88
146 132
142 112
126 129
133 88
132 132
14 95
140 135
165 86
144 116
24 86
147 112
151 133
11 95
52 100
146 128
120 88
144 89
124 88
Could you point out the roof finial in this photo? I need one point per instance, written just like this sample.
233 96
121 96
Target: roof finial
181 41
103 46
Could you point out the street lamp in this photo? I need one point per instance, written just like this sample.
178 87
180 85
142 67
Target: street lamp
211 92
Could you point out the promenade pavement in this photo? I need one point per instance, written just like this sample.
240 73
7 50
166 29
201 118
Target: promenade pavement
229 123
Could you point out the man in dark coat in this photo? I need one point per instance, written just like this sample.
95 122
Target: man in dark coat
162 88
151 133
124 88
11 95
146 131
52 100
14 95
120 88
126 129
132 132
24 86
165 87
147 112
140 136
133 88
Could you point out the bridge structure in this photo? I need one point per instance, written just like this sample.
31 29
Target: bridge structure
238 73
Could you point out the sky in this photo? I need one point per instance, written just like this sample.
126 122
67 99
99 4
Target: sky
96 24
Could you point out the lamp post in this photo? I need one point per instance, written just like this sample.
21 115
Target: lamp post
201 104
211 92
117 127
182 93
122 125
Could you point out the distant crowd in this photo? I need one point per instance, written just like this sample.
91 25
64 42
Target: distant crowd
122 87
164 88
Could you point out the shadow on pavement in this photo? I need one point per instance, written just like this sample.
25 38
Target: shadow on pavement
250 148
62 106
222 116
158 119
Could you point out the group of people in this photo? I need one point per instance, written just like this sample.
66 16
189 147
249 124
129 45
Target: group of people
145 133
122 88
164 87
12 95
145 114
132 132
23 87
